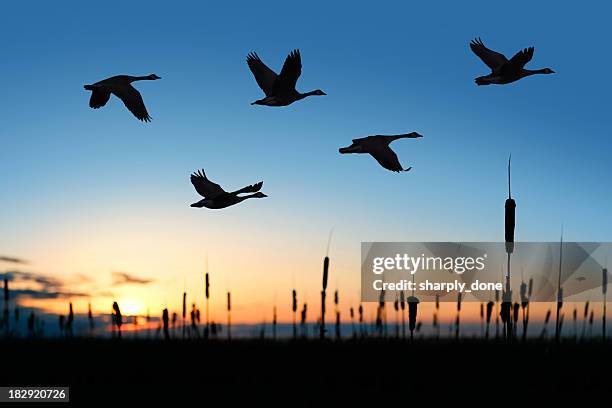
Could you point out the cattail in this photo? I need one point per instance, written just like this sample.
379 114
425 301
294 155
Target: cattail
489 313
229 316
591 317
458 321
352 315
165 323
360 310
90 317
516 312
336 300
6 290
274 322
544 328
184 314
413 304
303 319
481 319
585 316
294 310
325 275
510 208
118 319
396 308
70 320
575 320
403 306
207 293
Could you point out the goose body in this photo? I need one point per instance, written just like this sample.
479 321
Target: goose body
216 198
504 70
378 147
121 87
279 89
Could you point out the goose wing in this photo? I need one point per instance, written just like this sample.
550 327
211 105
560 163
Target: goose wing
133 101
521 58
204 186
386 157
99 97
493 59
292 69
264 76
253 188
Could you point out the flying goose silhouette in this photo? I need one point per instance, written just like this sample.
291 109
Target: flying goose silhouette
279 89
504 71
378 147
216 198
121 87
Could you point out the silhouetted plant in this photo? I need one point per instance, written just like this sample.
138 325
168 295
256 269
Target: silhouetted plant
585 317
117 318
403 307
458 320
294 311
490 305
229 316
413 304
69 321
337 310
207 293
325 276
545 326
303 318
184 312
274 323
165 323
90 318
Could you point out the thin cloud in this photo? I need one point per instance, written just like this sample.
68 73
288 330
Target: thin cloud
122 278
11 259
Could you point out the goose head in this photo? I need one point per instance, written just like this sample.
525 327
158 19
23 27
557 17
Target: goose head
354 148
153 77
548 71
318 92
259 194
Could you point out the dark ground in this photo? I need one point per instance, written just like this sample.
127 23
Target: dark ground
311 373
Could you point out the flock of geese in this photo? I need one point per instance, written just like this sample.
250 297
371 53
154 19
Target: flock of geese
279 90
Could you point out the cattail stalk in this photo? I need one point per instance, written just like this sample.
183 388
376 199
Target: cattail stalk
458 321
229 316
337 310
207 293
117 318
184 312
403 307
325 276
294 310
585 317
274 323
509 224
490 305
165 323
413 304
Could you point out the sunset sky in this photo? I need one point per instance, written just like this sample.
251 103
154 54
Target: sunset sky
87 193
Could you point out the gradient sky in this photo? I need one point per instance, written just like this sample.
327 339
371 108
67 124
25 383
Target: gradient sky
91 192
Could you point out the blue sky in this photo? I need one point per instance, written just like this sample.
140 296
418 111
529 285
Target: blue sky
69 172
